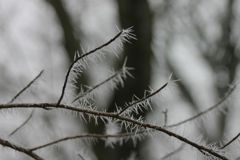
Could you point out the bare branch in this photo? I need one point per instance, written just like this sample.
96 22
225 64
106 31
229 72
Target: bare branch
81 57
141 100
88 136
165 117
20 149
173 152
234 138
207 110
25 122
25 88
98 85
113 115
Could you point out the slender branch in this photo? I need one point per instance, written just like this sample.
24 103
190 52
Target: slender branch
77 59
173 152
20 149
113 115
80 156
141 100
87 136
98 85
25 122
25 88
234 138
207 110
165 117
205 154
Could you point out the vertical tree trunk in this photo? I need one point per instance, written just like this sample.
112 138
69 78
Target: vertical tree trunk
134 13
70 41
229 61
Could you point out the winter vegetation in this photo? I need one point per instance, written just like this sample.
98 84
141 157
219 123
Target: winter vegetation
125 123
75 86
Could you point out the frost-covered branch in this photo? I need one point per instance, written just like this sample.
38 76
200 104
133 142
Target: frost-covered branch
122 118
113 80
116 116
97 136
123 36
141 100
145 101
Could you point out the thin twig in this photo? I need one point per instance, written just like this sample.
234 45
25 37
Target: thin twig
80 156
141 100
98 85
25 122
79 58
113 115
234 138
165 117
20 149
87 136
173 152
25 88
207 110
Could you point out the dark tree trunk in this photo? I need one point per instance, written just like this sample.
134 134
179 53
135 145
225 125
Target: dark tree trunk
71 43
134 13
70 40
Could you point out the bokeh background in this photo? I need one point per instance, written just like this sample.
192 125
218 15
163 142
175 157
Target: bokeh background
196 40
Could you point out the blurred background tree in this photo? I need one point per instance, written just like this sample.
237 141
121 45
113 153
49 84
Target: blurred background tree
196 40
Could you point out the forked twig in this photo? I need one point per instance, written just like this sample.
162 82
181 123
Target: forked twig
113 115
79 58
25 88
206 150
